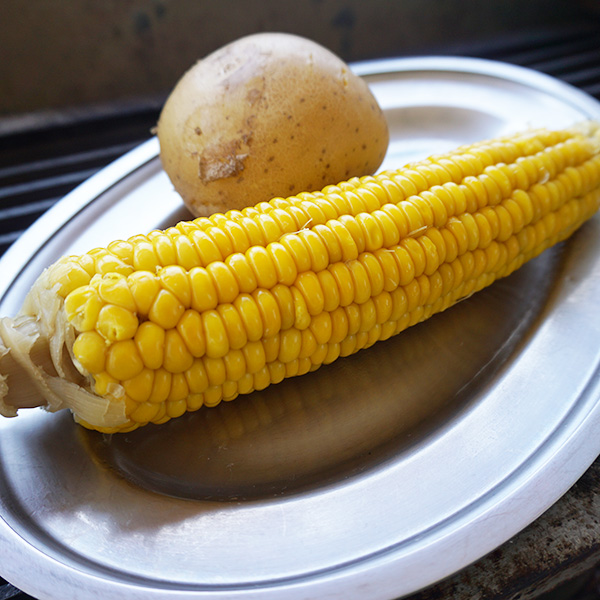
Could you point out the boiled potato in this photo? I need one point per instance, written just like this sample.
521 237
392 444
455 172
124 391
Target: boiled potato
268 115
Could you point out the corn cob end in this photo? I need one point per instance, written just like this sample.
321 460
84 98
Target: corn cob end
36 365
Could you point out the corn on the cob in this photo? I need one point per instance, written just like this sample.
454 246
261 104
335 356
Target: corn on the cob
154 326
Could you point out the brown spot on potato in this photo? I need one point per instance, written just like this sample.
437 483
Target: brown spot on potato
197 131
253 96
221 160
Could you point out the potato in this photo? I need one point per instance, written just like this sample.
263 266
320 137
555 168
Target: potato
268 115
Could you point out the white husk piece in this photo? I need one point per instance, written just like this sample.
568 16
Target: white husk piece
36 358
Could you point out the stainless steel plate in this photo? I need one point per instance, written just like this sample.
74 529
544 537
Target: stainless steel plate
370 478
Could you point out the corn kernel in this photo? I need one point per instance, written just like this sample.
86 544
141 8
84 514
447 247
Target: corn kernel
123 360
116 323
89 349
161 386
204 293
83 306
139 388
269 312
224 282
197 377
174 278
144 288
114 289
166 310
250 315
149 340
177 358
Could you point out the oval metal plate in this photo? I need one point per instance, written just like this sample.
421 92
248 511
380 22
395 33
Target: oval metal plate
371 478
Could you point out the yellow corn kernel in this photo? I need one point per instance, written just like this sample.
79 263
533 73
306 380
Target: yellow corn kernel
329 287
166 310
175 408
161 386
242 271
204 293
67 275
262 379
344 281
144 257
207 249
309 286
331 242
123 360
82 307
374 272
321 327
139 388
262 265
269 312
177 358
144 288
290 345
216 370
297 250
250 315
121 249
235 365
308 344
149 341
116 323
301 313
196 377
271 347
285 305
174 279
224 281
114 289
106 385
234 326
285 266
179 389
164 247
360 281
89 349
215 334
254 354
144 412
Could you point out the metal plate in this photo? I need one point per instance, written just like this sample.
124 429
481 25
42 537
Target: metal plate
371 478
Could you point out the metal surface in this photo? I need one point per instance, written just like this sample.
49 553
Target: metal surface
370 478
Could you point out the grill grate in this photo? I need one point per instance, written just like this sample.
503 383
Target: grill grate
43 161
42 164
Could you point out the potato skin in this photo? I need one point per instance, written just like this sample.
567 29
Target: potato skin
268 115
